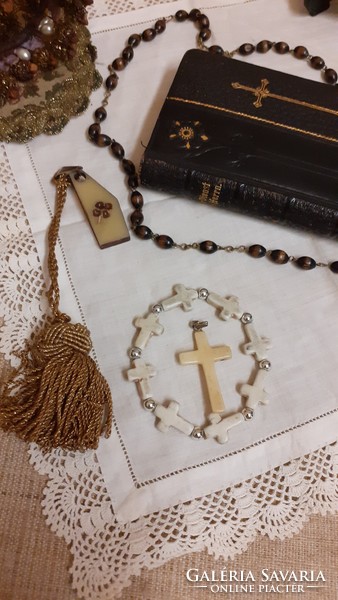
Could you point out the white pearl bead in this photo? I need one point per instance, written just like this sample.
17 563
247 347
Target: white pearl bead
47 29
46 26
23 53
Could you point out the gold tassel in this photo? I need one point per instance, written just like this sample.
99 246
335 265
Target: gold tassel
57 397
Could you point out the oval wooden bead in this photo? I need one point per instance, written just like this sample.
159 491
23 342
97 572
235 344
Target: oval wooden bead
136 218
194 14
117 150
246 49
216 50
111 81
160 26
300 52
203 21
317 62
128 53
134 40
100 114
148 35
181 15
263 46
143 232
334 266
164 241
136 199
204 34
282 47
128 166
102 140
119 63
279 257
257 251
208 247
133 181
94 130
330 76
306 262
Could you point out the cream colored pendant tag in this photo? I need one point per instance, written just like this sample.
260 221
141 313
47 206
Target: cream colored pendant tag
102 209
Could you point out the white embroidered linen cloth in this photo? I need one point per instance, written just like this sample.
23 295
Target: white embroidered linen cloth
144 470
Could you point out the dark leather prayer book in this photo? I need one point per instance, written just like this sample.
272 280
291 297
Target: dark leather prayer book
250 139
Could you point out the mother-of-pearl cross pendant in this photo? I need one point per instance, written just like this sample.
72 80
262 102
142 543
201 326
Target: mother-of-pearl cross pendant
206 356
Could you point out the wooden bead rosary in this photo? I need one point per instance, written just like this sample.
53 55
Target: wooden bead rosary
143 232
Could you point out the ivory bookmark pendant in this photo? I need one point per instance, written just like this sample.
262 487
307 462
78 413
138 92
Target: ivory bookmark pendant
206 356
101 208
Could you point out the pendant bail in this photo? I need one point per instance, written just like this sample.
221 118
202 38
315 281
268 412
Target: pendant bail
198 325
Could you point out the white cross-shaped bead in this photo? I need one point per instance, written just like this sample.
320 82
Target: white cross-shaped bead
257 345
148 326
219 427
229 306
169 417
255 393
141 373
183 297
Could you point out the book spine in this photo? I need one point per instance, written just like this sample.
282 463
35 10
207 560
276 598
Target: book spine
239 196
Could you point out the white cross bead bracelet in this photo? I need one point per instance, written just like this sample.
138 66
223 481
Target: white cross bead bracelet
218 422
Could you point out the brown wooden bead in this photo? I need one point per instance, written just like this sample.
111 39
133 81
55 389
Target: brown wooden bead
94 130
128 53
102 140
134 40
282 47
300 52
203 21
136 218
181 15
117 150
216 50
257 251
317 62
264 46
279 257
208 247
306 262
111 81
160 26
133 181
128 166
334 266
330 76
143 232
119 63
136 199
246 49
204 34
148 35
100 114
194 14
164 241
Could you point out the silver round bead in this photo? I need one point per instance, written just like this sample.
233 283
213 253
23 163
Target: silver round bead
157 309
248 414
197 433
149 404
265 364
135 352
203 293
23 53
246 318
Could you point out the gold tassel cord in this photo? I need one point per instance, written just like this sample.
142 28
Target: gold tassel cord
57 397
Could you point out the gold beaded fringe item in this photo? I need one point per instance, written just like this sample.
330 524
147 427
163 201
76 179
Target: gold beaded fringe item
57 397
